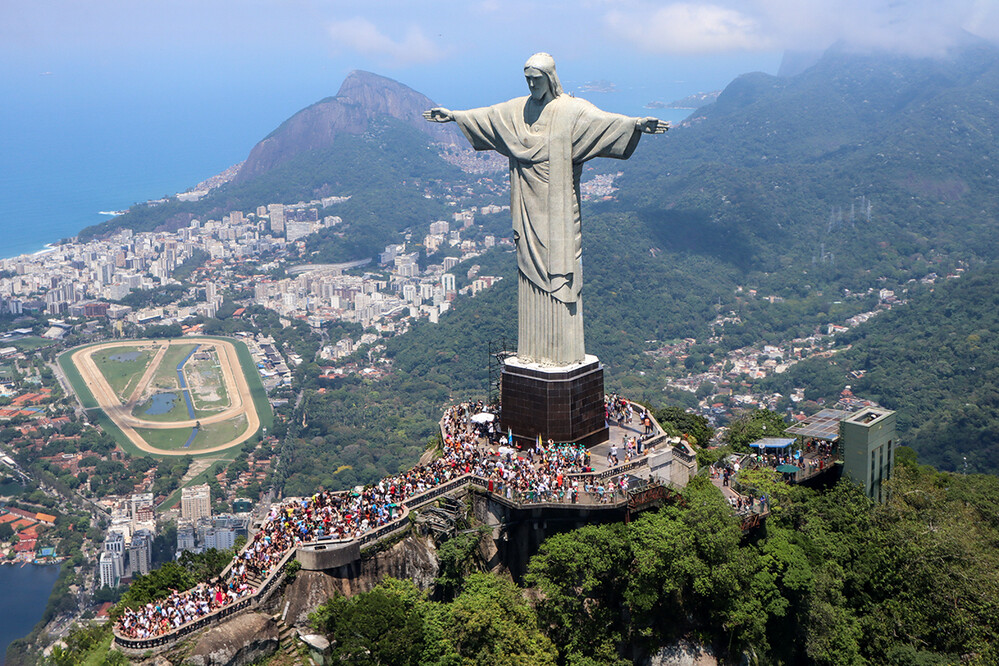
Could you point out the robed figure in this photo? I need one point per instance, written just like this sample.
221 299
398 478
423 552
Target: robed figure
547 136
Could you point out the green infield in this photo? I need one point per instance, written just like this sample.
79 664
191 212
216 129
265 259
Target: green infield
165 377
122 367
208 436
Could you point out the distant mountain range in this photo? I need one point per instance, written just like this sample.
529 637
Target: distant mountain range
788 168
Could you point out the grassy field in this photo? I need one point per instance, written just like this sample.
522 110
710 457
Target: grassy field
166 375
219 433
214 434
122 375
172 439
30 343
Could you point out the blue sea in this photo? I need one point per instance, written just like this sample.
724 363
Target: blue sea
26 592
101 135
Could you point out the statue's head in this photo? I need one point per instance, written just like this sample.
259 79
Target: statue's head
541 77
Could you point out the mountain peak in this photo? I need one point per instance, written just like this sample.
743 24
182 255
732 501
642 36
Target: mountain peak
363 97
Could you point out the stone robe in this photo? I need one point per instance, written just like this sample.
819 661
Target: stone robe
546 160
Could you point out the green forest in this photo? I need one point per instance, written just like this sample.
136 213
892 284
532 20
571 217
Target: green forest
830 579
936 361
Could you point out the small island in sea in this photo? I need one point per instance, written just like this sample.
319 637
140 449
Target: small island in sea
695 101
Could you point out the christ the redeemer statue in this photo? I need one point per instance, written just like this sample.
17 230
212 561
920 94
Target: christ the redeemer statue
547 137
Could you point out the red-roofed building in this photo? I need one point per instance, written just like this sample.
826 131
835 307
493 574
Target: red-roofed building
22 524
25 546
21 512
102 612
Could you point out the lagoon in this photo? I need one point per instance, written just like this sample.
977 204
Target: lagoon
25 594
161 403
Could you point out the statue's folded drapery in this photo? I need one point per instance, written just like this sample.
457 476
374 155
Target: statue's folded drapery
546 160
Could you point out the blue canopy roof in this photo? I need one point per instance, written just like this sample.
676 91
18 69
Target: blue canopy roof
773 443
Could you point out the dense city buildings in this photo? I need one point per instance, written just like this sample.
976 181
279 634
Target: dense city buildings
99 278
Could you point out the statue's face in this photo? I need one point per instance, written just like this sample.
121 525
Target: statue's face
538 83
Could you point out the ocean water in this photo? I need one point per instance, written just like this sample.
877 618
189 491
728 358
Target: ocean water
100 135
58 176
26 591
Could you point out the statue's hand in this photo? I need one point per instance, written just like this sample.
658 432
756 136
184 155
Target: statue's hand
438 115
652 125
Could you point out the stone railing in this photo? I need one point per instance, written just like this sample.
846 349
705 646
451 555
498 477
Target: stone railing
258 596
141 645
328 552
583 500
624 468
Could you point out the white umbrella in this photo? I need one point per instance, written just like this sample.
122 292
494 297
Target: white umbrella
483 417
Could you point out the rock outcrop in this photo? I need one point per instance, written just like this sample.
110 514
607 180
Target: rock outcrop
413 558
689 653
242 640
363 97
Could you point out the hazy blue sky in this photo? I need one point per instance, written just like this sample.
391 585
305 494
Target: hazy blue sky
299 45
163 93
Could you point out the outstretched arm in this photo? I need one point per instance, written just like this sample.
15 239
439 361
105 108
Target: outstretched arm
651 125
438 115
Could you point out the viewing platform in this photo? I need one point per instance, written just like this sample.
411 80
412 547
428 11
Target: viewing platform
536 479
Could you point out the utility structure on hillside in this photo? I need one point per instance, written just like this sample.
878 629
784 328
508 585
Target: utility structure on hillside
868 442
864 441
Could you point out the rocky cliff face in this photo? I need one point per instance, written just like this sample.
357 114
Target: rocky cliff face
244 639
363 97
413 558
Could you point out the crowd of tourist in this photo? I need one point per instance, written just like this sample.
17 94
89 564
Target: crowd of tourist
545 472
165 615
812 459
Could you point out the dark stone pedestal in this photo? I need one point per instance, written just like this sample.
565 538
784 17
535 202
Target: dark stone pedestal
561 404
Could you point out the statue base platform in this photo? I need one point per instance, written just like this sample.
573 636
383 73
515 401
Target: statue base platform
562 403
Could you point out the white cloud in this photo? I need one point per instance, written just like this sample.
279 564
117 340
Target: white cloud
361 35
688 28
983 19
913 27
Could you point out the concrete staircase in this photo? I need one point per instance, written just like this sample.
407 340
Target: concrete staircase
288 646
254 581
